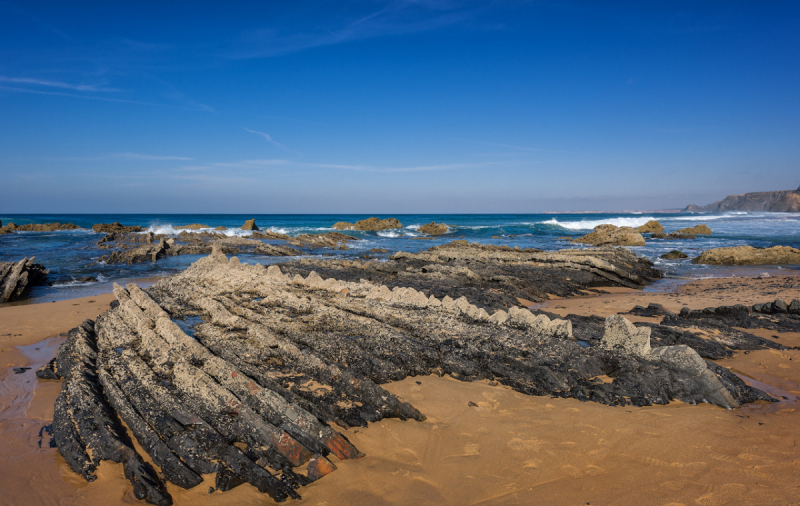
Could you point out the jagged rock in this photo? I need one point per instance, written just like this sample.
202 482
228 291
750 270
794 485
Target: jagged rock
194 243
250 225
493 277
378 250
269 235
370 224
776 201
220 228
109 228
696 230
612 235
674 255
672 235
17 278
226 351
37 227
748 255
193 226
650 227
323 240
433 228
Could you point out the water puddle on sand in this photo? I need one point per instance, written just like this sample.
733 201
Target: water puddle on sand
783 397
18 383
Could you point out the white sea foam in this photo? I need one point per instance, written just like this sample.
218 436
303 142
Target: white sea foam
590 224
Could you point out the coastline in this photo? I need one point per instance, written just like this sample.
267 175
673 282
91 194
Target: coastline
508 448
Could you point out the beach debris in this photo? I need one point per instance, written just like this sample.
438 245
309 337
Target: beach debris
650 227
272 359
370 224
748 255
17 278
612 235
433 228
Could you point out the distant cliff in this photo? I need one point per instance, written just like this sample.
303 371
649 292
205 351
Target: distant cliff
775 202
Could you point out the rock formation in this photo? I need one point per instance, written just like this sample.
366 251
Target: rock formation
650 227
674 255
250 225
37 227
776 201
493 277
226 353
433 228
612 235
696 230
748 255
17 278
193 226
109 228
323 240
370 224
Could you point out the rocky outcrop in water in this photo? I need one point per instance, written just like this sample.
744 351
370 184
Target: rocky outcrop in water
229 353
776 201
696 230
250 225
193 226
37 227
116 227
674 255
433 228
333 240
370 224
137 248
748 255
612 235
650 227
17 278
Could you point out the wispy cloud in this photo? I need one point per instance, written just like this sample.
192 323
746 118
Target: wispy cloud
95 97
140 156
509 146
267 136
56 84
275 163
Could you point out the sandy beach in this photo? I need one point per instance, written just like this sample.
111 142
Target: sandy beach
482 443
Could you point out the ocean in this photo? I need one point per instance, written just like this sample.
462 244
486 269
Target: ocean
71 255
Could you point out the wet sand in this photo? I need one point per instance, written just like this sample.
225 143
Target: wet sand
481 443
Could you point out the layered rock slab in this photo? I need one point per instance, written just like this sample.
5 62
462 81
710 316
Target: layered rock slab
240 369
17 278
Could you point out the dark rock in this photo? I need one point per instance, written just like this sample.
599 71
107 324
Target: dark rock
17 278
674 255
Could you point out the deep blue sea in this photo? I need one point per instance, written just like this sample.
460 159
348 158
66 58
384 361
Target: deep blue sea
72 254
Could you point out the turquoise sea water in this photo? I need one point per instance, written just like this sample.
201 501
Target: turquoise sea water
72 254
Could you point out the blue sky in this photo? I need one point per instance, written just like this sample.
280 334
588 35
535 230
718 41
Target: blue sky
395 106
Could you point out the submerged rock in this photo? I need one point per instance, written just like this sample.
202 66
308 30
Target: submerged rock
612 235
17 278
650 227
674 255
322 240
748 255
194 226
433 228
110 228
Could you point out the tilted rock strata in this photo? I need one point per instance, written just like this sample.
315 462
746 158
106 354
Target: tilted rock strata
612 235
188 244
776 201
491 276
17 278
748 255
334 240
271 359
250 225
